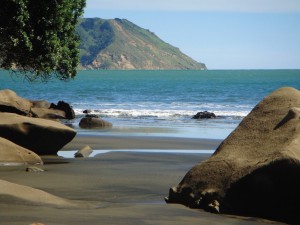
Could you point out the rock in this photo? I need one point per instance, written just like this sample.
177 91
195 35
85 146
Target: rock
34 169
84 152
91 115
87 111
44 137
256 170
48 113
12 153
11 102
91 122
61 105
204 115
40 104
16 193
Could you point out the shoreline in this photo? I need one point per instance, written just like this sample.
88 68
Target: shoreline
119 142
122 188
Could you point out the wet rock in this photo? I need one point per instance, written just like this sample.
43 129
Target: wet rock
91 122
204 115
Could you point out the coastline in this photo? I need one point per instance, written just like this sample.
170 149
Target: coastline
119 187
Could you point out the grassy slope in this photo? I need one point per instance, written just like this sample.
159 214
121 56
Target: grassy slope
120 44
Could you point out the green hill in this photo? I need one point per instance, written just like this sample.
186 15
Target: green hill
120 44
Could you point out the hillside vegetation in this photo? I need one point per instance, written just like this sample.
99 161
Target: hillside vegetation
120 44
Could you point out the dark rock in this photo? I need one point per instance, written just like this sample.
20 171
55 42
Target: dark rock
256 169
63 106
204 115
87 111
91 122
44 137
91 116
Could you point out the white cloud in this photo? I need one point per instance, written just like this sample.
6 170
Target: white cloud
197 5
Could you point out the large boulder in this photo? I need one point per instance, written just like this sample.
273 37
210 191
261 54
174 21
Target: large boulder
256 170
44 137
12 153
11 102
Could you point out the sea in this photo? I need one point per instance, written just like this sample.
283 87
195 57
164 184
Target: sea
159 103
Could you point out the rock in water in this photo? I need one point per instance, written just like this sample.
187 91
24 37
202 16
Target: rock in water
256 170
44 137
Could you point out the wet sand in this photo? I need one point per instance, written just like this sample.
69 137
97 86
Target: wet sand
112 188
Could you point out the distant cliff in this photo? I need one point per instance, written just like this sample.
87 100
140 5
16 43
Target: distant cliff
120 44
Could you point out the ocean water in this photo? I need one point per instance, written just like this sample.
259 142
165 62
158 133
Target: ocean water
160 102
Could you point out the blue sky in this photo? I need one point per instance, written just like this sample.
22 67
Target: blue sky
223 34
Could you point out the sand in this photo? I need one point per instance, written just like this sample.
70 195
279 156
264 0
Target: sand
112 188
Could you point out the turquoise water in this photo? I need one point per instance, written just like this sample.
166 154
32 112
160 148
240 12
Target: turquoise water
161 102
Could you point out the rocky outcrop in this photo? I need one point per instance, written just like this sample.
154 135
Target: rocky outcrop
204 115
11 102
92 122
255 171
44 137
12 153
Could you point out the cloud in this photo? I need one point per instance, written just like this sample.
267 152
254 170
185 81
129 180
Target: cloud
197 5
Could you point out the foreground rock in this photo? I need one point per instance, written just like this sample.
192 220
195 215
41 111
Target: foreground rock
256 170
44 137
12 153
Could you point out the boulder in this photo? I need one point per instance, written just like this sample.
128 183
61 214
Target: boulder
92 122
63 106
256 170
84 152
12 153
204 115
44 137
11 102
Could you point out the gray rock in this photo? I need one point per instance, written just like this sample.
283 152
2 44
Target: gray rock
84 152
44 137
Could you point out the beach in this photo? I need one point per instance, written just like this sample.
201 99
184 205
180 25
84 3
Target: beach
152 145
112 188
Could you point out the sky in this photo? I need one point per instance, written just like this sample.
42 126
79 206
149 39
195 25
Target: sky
223 34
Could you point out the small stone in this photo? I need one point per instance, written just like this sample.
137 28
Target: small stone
34 169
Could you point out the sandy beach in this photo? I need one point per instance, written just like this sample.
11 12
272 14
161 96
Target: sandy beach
113 188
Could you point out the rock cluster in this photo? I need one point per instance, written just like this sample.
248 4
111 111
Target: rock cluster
25 133
255 171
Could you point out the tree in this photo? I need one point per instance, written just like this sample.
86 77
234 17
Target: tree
37 37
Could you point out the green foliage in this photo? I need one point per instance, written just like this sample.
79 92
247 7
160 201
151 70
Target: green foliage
38 38
95 34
